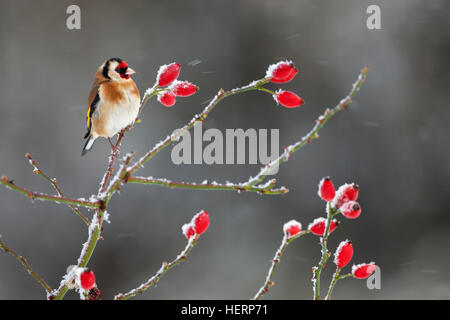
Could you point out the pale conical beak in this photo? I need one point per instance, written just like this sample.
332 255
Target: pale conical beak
130 71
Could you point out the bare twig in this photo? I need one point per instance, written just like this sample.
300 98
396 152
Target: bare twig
94 232
313 134
275 261
164 268
54 183
262 189
42 196
325 254
27 266
336 278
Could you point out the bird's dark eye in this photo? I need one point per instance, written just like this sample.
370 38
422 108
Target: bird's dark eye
122 67
121 70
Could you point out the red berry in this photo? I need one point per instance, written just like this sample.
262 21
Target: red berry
87 279
188 230
183 88
345 193
344 254
168 74
318 226
288 99
326 189
282 72
363 270
287 79
167 99
201 222
94 294
351 209
292 228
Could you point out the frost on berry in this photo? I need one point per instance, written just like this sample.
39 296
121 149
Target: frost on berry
168 74
167 99
198 224
346 192
343 254
188 230
281 72
318 226
87 279
326 189
292 228
183 88
288 99
351 209
363 270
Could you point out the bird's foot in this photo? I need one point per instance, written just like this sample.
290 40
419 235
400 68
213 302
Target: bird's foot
114 148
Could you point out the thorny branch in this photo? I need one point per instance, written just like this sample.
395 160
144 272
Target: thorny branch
125 173
164 268
27 266
54 183
275 261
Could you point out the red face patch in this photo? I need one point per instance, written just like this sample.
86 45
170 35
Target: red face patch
123 65
122 69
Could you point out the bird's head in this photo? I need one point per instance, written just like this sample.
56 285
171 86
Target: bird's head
116 69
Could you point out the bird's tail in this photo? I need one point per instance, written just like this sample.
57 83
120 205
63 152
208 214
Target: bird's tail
88 146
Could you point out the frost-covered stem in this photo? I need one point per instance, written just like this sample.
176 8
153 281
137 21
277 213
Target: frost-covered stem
255 85
313 134
263 189
94 232
45 197
275 261
164 268
27 266
54 183
112 158
336 278
333 283
323 260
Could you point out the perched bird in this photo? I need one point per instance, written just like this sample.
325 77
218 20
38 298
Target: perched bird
114 102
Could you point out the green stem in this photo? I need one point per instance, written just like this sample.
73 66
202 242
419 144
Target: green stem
27 266
42 196
209 186
162 271
323 260
275 261
53 182
333 283
313 134
336 278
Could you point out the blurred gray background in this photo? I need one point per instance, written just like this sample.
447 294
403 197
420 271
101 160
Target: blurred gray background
393 142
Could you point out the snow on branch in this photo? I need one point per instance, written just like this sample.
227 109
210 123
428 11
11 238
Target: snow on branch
54 183
275 261
166 266
110 183
27 266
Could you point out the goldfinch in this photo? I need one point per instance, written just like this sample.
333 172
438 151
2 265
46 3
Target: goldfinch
114 102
